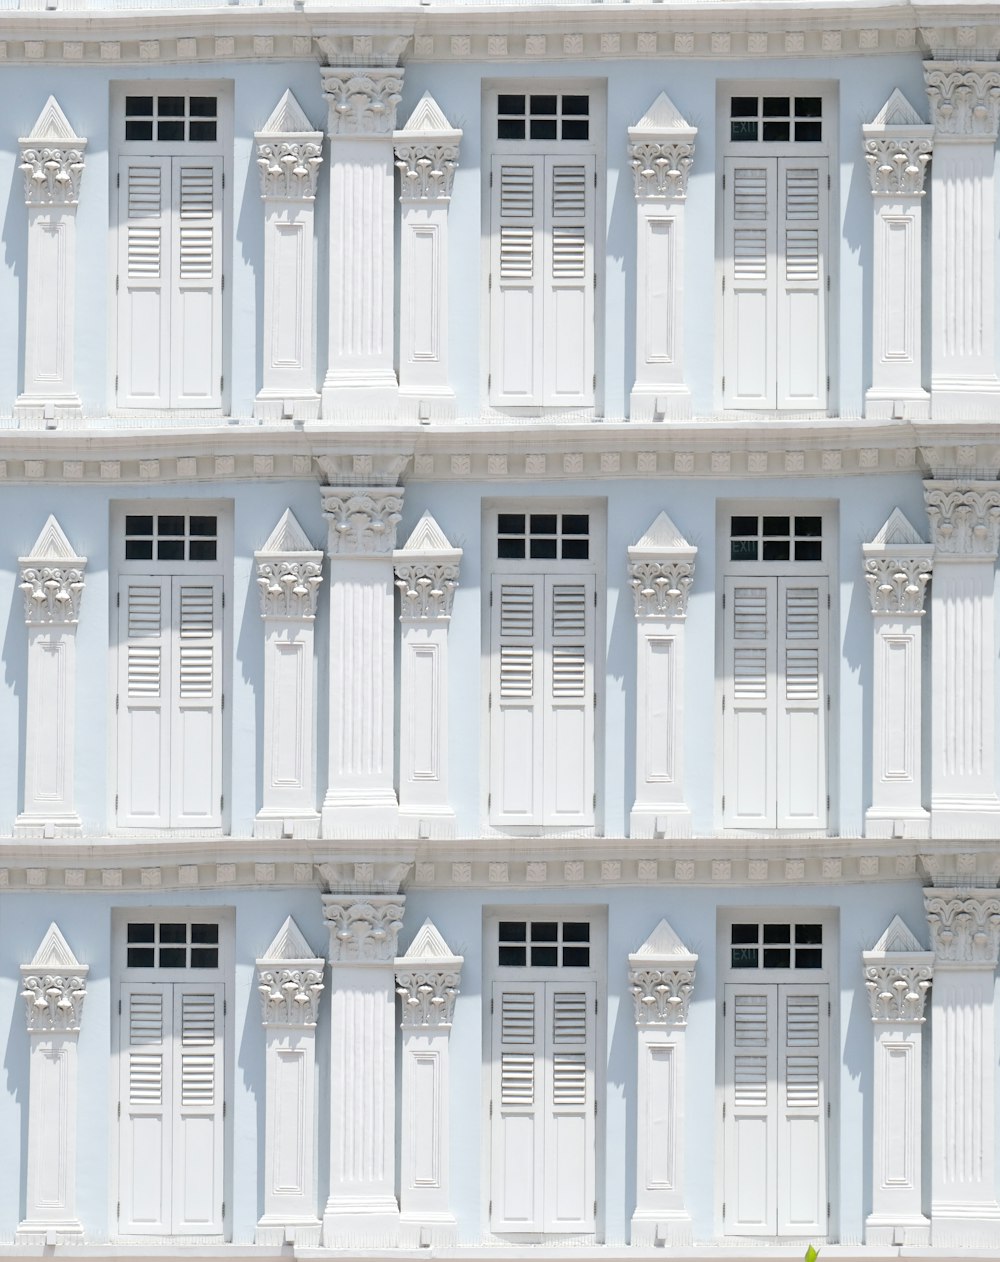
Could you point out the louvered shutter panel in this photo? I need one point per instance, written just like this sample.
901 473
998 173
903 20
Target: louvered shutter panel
516 274
196 719
144 283
517 1107
803 1038
144 675
568 304
516 692
749 269
749 690
146 1095
569 1138
198 1085
801 704
568 724
196 314
801 292
750 1092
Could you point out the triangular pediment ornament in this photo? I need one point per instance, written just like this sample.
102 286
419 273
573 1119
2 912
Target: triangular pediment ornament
52 124
427 116
898 532
288 536
289 944
662 115
662 541
288 116
54 952
52 545
662 943
897 112
427 536
429 949
897 939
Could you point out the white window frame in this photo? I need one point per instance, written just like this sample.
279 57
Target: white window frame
596 566
827 568
597 973
828 149
596 147
221 147
121 917
119 568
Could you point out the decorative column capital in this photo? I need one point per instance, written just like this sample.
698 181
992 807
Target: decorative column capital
427 154
898 974
290 980
898 567
965 99
661 979
661 152
661 571
427 981
52 159
362 101
964 518
289 572
54 986
965 926
51 579
289 153
362 520
427 573
363 928
898 145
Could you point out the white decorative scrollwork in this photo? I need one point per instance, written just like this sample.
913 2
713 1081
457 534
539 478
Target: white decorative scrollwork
290 993
965 928
661 995
362 102
965 519
660 588
426 170
52 593
897 166
897 584
426 590
898 991
363 930
54 1001
965 99
362 520
428 996
660 168
288 167
52 174
289 587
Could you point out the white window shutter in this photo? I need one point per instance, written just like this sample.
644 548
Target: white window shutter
749 698
516 691
750 1093
144 282
196 719
801 706
196 315
517 1107
568 766
144 681
801 291
569 1122
516 272
749 271
568 305
198 1094
803 1038
146 1095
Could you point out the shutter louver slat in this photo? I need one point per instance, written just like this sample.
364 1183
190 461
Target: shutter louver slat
749 295
802 1082
197 650
569 1017
801 329
750 254
517 610
569 191
196 712
750 674
517 1017
145 1078
569 673
517 1079
750 699
516 266
802 675
145 1019
197 1149
801 736
517 192
750 1128
569 253
568 242
803 1049
569 1078
569 609
144 270
517 254
515 713
750 613
516 672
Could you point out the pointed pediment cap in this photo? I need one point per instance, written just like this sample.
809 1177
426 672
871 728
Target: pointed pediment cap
52 545
429 949
288 118
662 539
429 540
289 944
897 534
428 122
897 116
898 939
662 119
53 125
287 537
662 944
54 955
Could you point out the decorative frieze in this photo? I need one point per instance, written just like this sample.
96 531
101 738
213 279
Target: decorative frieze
363 930
965 518
965 927
964 97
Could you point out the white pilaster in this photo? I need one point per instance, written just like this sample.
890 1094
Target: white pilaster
362 536
52 586
53 987
427 982
965 529
898 146
289 155
661 570
290 981
965 109
360 382
965 929
426 575
52 165
362 1210
661 152
898 973
661 978
289 574
897 570
427 158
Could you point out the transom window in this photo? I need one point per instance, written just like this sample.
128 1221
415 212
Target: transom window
171 118
171 537
771 119
775 538
543 536
172 944
777 945
544 944
543 116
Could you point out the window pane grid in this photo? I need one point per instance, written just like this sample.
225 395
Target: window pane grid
776 538
171 118
543 116
774 945
544 944
543 536
172 944
774 119
171 537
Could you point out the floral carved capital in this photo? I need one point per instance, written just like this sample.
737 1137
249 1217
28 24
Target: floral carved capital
54 1000
426 590
426 170
52 592
660 588
362 102
897 584
428 997
290 991
897 166
362 520
289 585
661 995
965 928
965 519
897 991
965 99
660 167
289 166
52 173
363 930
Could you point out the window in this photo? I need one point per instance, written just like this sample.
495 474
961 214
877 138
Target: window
544 944
172 944
775 118
171 537
167 118
543 536
547 116
775 538
776 945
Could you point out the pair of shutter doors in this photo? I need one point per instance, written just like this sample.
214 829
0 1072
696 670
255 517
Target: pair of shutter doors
170 702
543 1127
775 688
775 1132
171 1118
542 281
542 700
170 283
775 268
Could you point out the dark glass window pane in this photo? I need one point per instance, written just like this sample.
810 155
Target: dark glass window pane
809 550
140 932
776 131
743 934
543 549
204 933
512 956
138 525
575 549
810 526
743 107
510 129
575 129
809 957
743 525
808 133
170 524
173 933
777 933
543 105
543 129
576 931
510 549
141 105
202 526
204 957
202 107
776 551
812 935
776 107
777 957
742 130
576 524
776 526
508 103
201 550
138 129
513 931
140 957
201 131
544 931
173 957
744 957
510 523
170 106
170 129
743 550
138 549
544 956
576 957
170 550
576 105
809 106
543 523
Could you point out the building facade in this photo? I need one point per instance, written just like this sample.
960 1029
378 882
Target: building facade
499 628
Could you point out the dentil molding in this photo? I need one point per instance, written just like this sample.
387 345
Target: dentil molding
363 930
362 520
965 926
363 101
964 517
965 98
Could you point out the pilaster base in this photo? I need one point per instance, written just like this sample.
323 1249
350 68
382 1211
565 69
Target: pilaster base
662 1230
897 824
32 1232
357 1222
304 1233
355 815
897 405
660 821
426 823
279 405
662 403
426 405
360 397
967 817
885 1231
32 412
47 827
278 825
427 1231
966 1226
965 399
